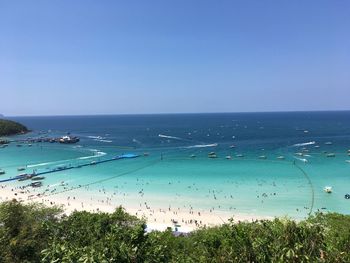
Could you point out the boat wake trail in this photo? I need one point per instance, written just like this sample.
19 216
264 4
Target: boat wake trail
304 144
98 154
99 138
201 146
302 160
42 164
170 137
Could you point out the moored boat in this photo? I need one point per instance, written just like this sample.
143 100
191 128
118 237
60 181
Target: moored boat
36 184
328 189
2 172
38 178
68 139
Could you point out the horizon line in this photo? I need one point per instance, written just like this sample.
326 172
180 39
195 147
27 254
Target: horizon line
170 113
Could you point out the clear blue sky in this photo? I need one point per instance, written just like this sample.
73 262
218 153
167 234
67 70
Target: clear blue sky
115 57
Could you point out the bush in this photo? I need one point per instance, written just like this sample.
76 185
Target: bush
34 233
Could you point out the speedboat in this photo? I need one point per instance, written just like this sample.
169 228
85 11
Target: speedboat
331 155
232 146
193 156
262 157
348 161
228 157
239 155
281 157
328 189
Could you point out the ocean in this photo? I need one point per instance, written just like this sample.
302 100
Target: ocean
267 164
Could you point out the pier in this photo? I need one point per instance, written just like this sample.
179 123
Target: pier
69 167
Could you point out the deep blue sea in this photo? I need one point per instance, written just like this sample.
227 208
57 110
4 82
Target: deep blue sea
269 164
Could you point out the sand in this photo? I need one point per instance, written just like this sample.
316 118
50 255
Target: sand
157 218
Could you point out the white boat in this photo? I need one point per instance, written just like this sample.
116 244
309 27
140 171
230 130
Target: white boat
21 169
281 157
232 146
239 155
348 161
328 189
331 155
68 139
262 157
228 157
193 156
299 154
2 172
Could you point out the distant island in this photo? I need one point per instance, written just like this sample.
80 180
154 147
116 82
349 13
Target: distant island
8 128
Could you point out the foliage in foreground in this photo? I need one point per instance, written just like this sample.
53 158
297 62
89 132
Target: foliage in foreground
34 233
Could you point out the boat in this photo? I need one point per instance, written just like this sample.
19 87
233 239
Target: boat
262 157
228 157
146 154
328 189
2 172
317 146
38 178
21 168
24 177
93 163
281 157
193 156
348 161
212 155
68 139
331 155
232 146
328 143
299 154
36 184
239 155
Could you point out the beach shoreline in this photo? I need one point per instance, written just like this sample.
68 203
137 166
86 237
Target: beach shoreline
157 218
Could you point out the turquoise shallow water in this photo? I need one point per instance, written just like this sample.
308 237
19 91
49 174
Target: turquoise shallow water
170 177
